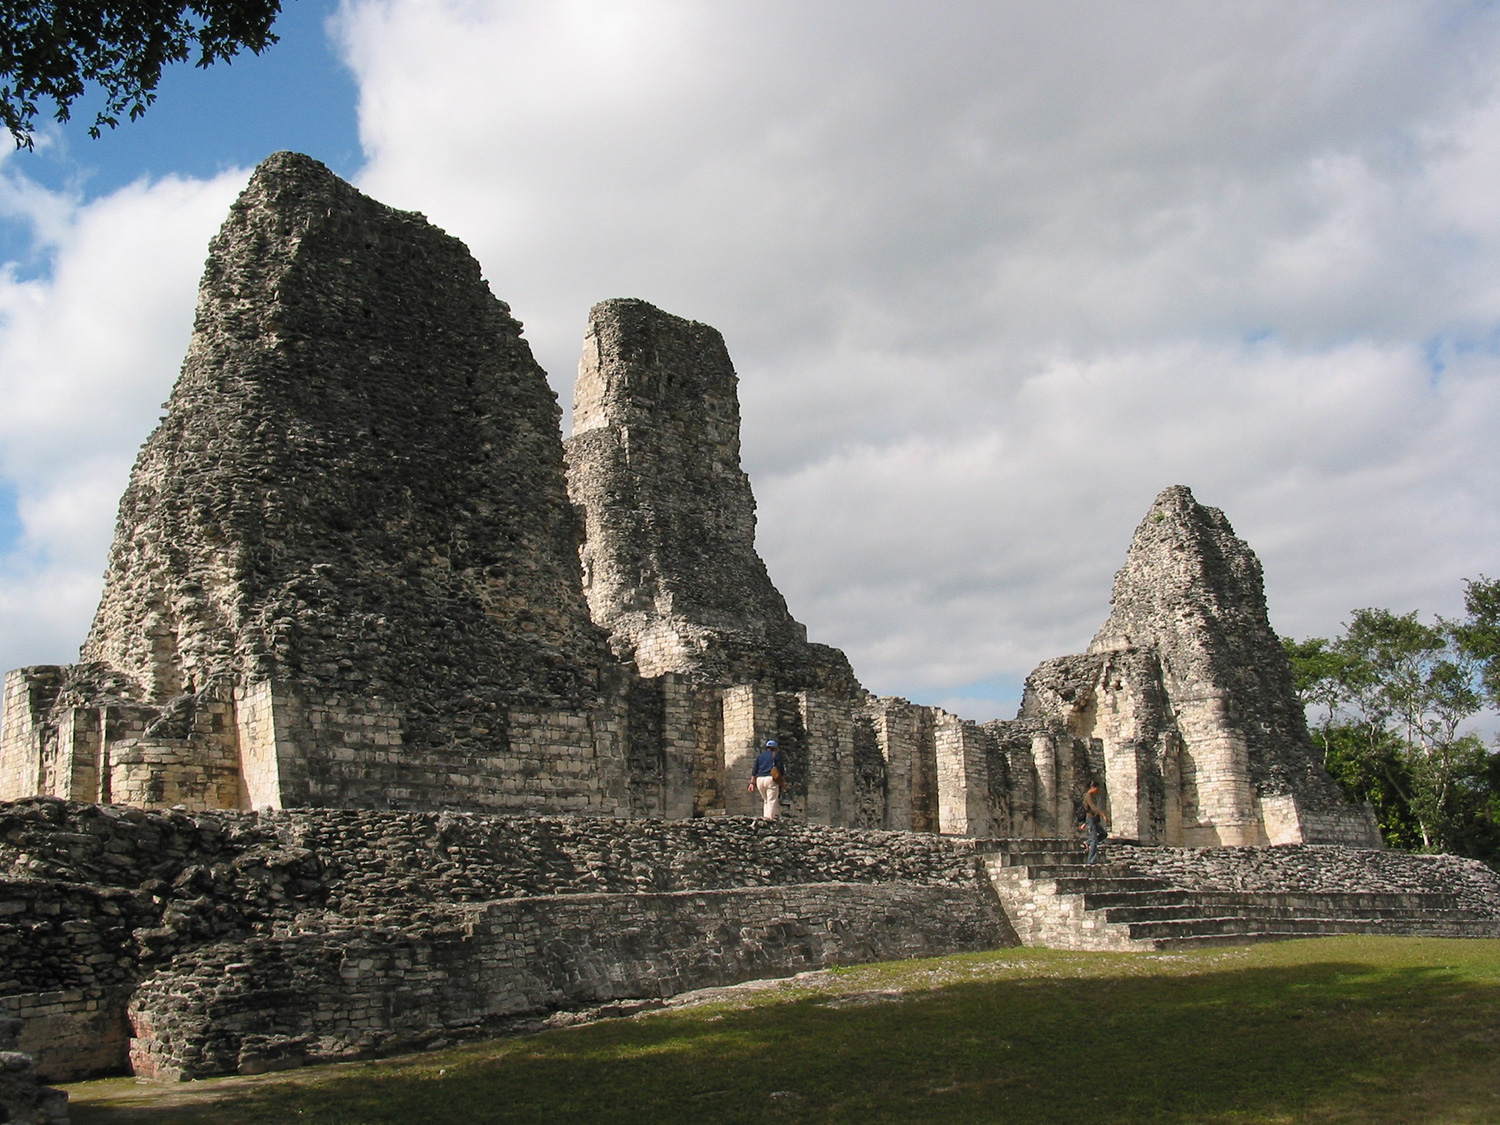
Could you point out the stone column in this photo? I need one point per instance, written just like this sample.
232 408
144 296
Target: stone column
749 719
830 758
962 778
29 693
679 747
1021 818
78 744
896 734
1050 816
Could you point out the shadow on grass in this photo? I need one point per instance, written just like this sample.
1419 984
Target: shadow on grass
1322 1041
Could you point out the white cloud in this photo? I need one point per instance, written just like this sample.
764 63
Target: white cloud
993 274
87 354
994 277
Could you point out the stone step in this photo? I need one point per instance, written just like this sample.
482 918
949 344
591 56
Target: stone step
1085 881
1305 901
1272 912
1305 927
1124 902
1325 927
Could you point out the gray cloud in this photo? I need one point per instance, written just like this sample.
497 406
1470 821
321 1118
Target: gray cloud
994 274
994 277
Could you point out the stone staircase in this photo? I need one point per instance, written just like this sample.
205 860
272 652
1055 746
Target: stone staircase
1137 899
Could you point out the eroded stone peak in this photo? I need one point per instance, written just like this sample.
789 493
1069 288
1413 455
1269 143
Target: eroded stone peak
637 358
1185 562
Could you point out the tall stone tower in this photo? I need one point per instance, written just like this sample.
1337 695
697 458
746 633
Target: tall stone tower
669 558
346 559
1189 695
672 574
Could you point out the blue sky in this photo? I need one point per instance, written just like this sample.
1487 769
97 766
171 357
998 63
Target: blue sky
297 94
991 282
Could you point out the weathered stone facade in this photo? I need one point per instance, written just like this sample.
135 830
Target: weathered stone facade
1189 696
362 600
184 945
352 570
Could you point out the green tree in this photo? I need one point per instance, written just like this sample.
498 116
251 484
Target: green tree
1478 635
56 50
1394 695
1415 676
1375 769
1322 675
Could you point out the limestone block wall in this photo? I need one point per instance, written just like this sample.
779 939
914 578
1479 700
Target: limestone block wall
316 933
1287 822
29 694
160 773
271 744
319 998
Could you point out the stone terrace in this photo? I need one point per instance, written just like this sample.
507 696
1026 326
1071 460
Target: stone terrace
1157 898
243 941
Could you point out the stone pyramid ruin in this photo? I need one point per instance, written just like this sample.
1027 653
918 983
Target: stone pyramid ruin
372 635
1190 698
357 566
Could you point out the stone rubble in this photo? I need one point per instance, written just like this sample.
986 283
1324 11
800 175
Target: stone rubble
196 944
403 720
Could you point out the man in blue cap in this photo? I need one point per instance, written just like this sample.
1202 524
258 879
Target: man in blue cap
768 776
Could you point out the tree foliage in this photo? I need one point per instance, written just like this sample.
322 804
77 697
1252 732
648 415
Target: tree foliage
1392 698
55 51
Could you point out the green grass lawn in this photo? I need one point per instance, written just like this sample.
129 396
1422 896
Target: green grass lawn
1338 1029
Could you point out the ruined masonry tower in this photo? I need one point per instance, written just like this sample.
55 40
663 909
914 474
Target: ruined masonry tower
669 557
345 570
1186 697
356 566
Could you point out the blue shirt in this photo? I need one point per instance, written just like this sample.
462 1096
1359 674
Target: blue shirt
764 761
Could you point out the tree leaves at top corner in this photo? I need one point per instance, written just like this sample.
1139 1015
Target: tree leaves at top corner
56 51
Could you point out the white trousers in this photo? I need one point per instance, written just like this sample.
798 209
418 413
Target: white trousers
770 795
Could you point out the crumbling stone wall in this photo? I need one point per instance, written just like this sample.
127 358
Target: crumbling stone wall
1190 695
669 558
243 941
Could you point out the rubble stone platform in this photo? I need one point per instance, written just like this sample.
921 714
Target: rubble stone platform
1167 898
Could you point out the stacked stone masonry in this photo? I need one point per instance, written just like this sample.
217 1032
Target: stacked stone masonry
401 718
182 945
357 566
